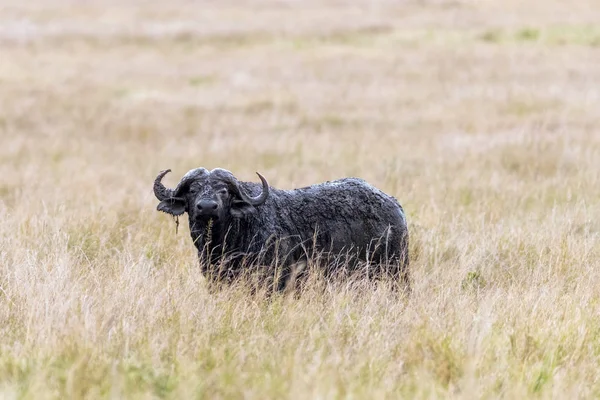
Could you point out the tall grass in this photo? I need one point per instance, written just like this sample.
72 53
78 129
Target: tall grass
480 117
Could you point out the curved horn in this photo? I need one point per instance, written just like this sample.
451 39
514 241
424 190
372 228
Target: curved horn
163 193
160 191
255 201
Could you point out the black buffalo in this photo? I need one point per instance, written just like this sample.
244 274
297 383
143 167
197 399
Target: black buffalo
345 225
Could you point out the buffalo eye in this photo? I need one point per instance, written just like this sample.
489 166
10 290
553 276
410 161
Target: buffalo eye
223 192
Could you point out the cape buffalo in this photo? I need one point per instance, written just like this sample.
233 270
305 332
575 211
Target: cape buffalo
346 224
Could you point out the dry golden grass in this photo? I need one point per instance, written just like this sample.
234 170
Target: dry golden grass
481 117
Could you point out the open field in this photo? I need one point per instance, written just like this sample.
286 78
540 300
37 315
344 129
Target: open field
481 117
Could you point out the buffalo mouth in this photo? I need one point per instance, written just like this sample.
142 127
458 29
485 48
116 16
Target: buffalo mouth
206 218
203 222
204 227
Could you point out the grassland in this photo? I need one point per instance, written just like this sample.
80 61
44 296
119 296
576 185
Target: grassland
481 117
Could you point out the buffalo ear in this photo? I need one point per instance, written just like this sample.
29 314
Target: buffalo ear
241 209
174 206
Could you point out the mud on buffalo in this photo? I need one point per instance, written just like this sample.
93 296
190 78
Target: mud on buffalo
343 226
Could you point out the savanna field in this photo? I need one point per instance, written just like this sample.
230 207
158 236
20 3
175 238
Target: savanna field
481 117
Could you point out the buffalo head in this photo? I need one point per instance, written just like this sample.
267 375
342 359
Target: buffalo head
208 195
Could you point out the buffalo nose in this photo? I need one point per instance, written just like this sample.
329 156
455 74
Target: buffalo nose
206 206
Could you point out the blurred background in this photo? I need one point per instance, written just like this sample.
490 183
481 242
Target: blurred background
410 95
481 117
